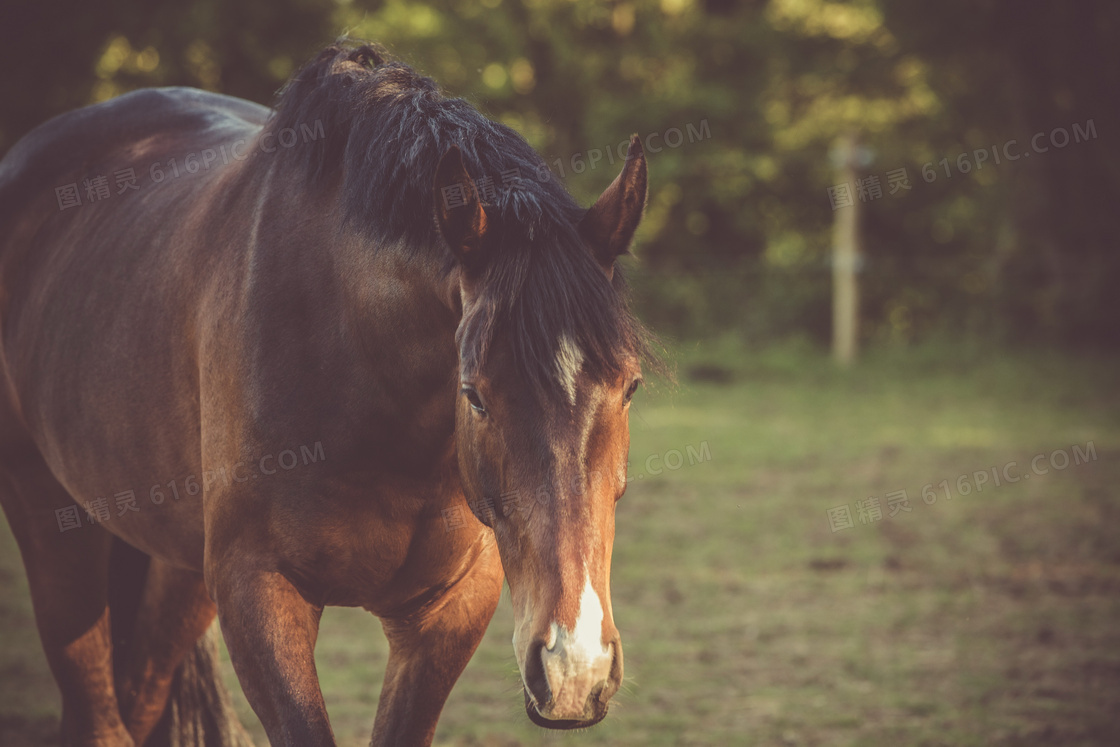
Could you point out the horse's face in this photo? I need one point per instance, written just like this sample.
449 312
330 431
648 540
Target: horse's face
545 474
544 467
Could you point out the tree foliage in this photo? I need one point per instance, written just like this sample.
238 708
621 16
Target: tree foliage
737 228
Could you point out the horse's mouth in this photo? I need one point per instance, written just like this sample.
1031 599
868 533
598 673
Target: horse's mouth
567 723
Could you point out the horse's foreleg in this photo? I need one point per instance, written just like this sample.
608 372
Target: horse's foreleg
67 573
429 650
174 612
270 632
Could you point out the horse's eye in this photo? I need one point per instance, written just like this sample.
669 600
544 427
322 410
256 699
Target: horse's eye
631 389
475 401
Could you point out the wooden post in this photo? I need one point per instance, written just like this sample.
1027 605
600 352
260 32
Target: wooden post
845 257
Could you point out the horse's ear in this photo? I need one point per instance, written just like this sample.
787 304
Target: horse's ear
459 213
610 223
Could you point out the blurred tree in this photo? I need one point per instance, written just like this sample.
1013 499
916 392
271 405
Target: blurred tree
1040 238
736 234
69 53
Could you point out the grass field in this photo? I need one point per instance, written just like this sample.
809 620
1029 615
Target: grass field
991 618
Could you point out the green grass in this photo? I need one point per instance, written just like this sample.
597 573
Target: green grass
991 618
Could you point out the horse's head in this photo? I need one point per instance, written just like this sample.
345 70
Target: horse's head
549 360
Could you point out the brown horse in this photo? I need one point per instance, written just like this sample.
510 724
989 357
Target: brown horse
357 351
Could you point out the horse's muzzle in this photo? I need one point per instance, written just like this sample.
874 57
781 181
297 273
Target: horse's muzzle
594 712
542 707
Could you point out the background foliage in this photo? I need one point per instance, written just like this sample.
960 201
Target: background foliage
737 234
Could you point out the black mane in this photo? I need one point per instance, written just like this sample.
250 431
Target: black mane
386 128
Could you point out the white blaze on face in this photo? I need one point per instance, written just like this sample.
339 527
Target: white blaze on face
576 660
569 361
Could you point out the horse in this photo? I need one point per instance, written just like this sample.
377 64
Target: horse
360 349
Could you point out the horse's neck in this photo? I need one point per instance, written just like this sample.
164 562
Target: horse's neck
404 309
378 323
339 272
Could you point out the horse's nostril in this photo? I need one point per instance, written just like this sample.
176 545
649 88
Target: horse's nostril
535 679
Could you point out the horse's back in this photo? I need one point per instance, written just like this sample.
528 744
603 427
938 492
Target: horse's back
150 120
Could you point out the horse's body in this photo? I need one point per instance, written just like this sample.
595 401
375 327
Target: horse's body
244 330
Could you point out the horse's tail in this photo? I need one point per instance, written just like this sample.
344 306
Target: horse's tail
199 712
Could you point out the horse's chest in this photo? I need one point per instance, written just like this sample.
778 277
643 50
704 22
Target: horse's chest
381 556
